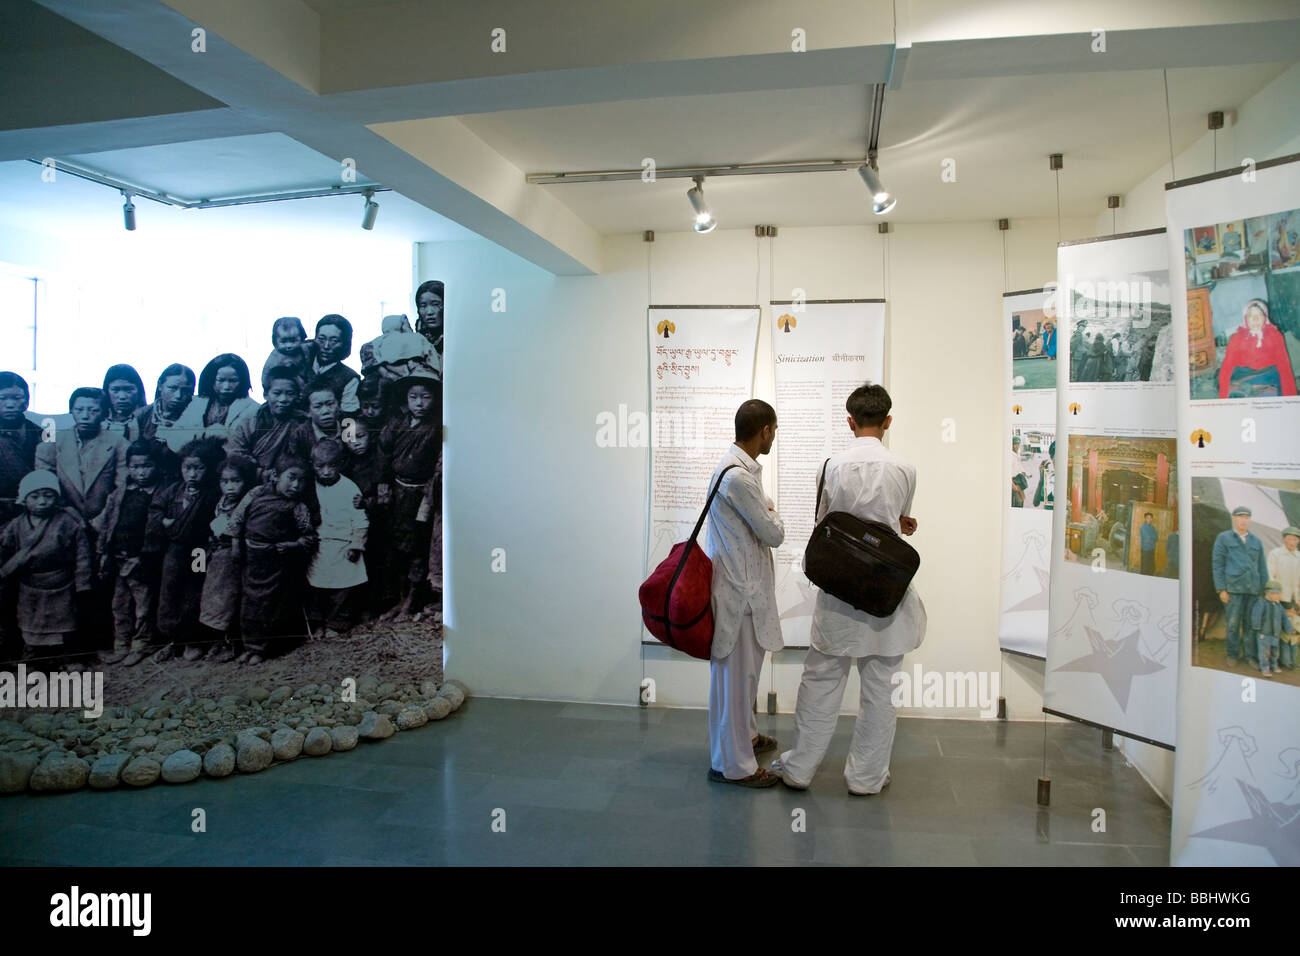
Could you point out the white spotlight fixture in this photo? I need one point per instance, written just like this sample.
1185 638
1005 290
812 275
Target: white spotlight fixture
704 221
372 210
881 199
128 212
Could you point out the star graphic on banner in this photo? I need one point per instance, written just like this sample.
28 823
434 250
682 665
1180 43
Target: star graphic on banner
1274 826
1117 662
1039 601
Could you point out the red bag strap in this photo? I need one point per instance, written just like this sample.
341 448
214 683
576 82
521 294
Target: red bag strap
690 543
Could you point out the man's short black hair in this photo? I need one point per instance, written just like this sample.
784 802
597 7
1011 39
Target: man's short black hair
1148 514
869 405
752 417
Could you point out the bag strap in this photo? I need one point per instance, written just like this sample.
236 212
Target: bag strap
690 543
820 483
709 503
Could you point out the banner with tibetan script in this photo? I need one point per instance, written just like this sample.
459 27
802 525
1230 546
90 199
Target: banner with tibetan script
822 351
701 370
1029 476
1234 246
1112 647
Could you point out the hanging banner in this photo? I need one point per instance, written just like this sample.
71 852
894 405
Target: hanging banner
1112 647
1029 478
822 351
701 371
1237 348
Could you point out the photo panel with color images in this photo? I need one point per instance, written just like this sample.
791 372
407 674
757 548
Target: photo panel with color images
1235 557
1122 504
1033 349
1243 307
1033 475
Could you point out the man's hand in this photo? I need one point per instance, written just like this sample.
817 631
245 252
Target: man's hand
907 524
385 496
1223 596
354 555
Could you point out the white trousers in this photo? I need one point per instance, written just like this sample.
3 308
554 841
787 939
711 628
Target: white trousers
733 689
821 691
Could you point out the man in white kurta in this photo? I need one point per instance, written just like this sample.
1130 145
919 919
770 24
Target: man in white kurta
741 529
871 482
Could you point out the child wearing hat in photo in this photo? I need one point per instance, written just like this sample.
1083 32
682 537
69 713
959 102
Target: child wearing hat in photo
1269 620
45 552
1284 566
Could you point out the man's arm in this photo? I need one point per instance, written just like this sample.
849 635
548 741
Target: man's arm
1218 559
906 523
744 494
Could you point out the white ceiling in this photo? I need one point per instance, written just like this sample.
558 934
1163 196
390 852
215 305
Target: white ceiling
1110 127
240 165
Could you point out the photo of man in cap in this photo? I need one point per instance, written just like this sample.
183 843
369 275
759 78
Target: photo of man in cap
1240 572
1284 566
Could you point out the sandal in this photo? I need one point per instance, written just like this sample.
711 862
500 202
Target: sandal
764 744
758 779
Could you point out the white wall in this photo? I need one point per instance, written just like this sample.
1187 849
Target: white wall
154 297
524 472
1266 127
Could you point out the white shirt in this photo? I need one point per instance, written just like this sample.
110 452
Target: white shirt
1284 566
343 527
871 482
739 535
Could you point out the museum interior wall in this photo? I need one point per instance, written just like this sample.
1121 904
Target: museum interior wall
526 385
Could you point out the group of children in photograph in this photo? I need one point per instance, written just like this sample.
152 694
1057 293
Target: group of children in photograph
210 526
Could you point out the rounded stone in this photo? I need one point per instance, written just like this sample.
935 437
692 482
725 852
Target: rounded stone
60 773
219 761
182 767
257 694
452 693
375 726
279 694
168 747
317 742
411 718
438 708
428 688
141 771
343 738
106 771
286 744
253 754
16 771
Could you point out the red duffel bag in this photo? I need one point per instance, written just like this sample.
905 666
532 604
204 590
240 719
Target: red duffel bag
675 599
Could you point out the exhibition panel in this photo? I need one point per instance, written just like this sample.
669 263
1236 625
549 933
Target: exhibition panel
1112 646
1237 337
1029 481
822 351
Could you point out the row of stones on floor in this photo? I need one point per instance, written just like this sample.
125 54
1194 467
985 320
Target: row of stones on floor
169 757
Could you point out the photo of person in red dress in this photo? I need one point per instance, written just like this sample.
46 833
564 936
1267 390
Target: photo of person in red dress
1256 362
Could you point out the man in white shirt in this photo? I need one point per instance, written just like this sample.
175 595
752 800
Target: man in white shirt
871 482
741 530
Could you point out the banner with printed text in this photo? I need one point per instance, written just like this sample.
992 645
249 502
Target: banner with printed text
701 370
1112 647
822 351
1235 238
1029 478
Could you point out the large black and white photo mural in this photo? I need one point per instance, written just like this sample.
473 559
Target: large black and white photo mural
194 547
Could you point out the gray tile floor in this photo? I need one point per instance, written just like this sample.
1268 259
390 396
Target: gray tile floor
587 784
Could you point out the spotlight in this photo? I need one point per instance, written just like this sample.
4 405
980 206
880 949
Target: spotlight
704 221
372 210
881 200
128 212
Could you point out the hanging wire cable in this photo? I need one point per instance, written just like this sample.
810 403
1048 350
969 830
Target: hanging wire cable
1112 222
1006 280
1058 205
649 459
1215 167
1169 124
